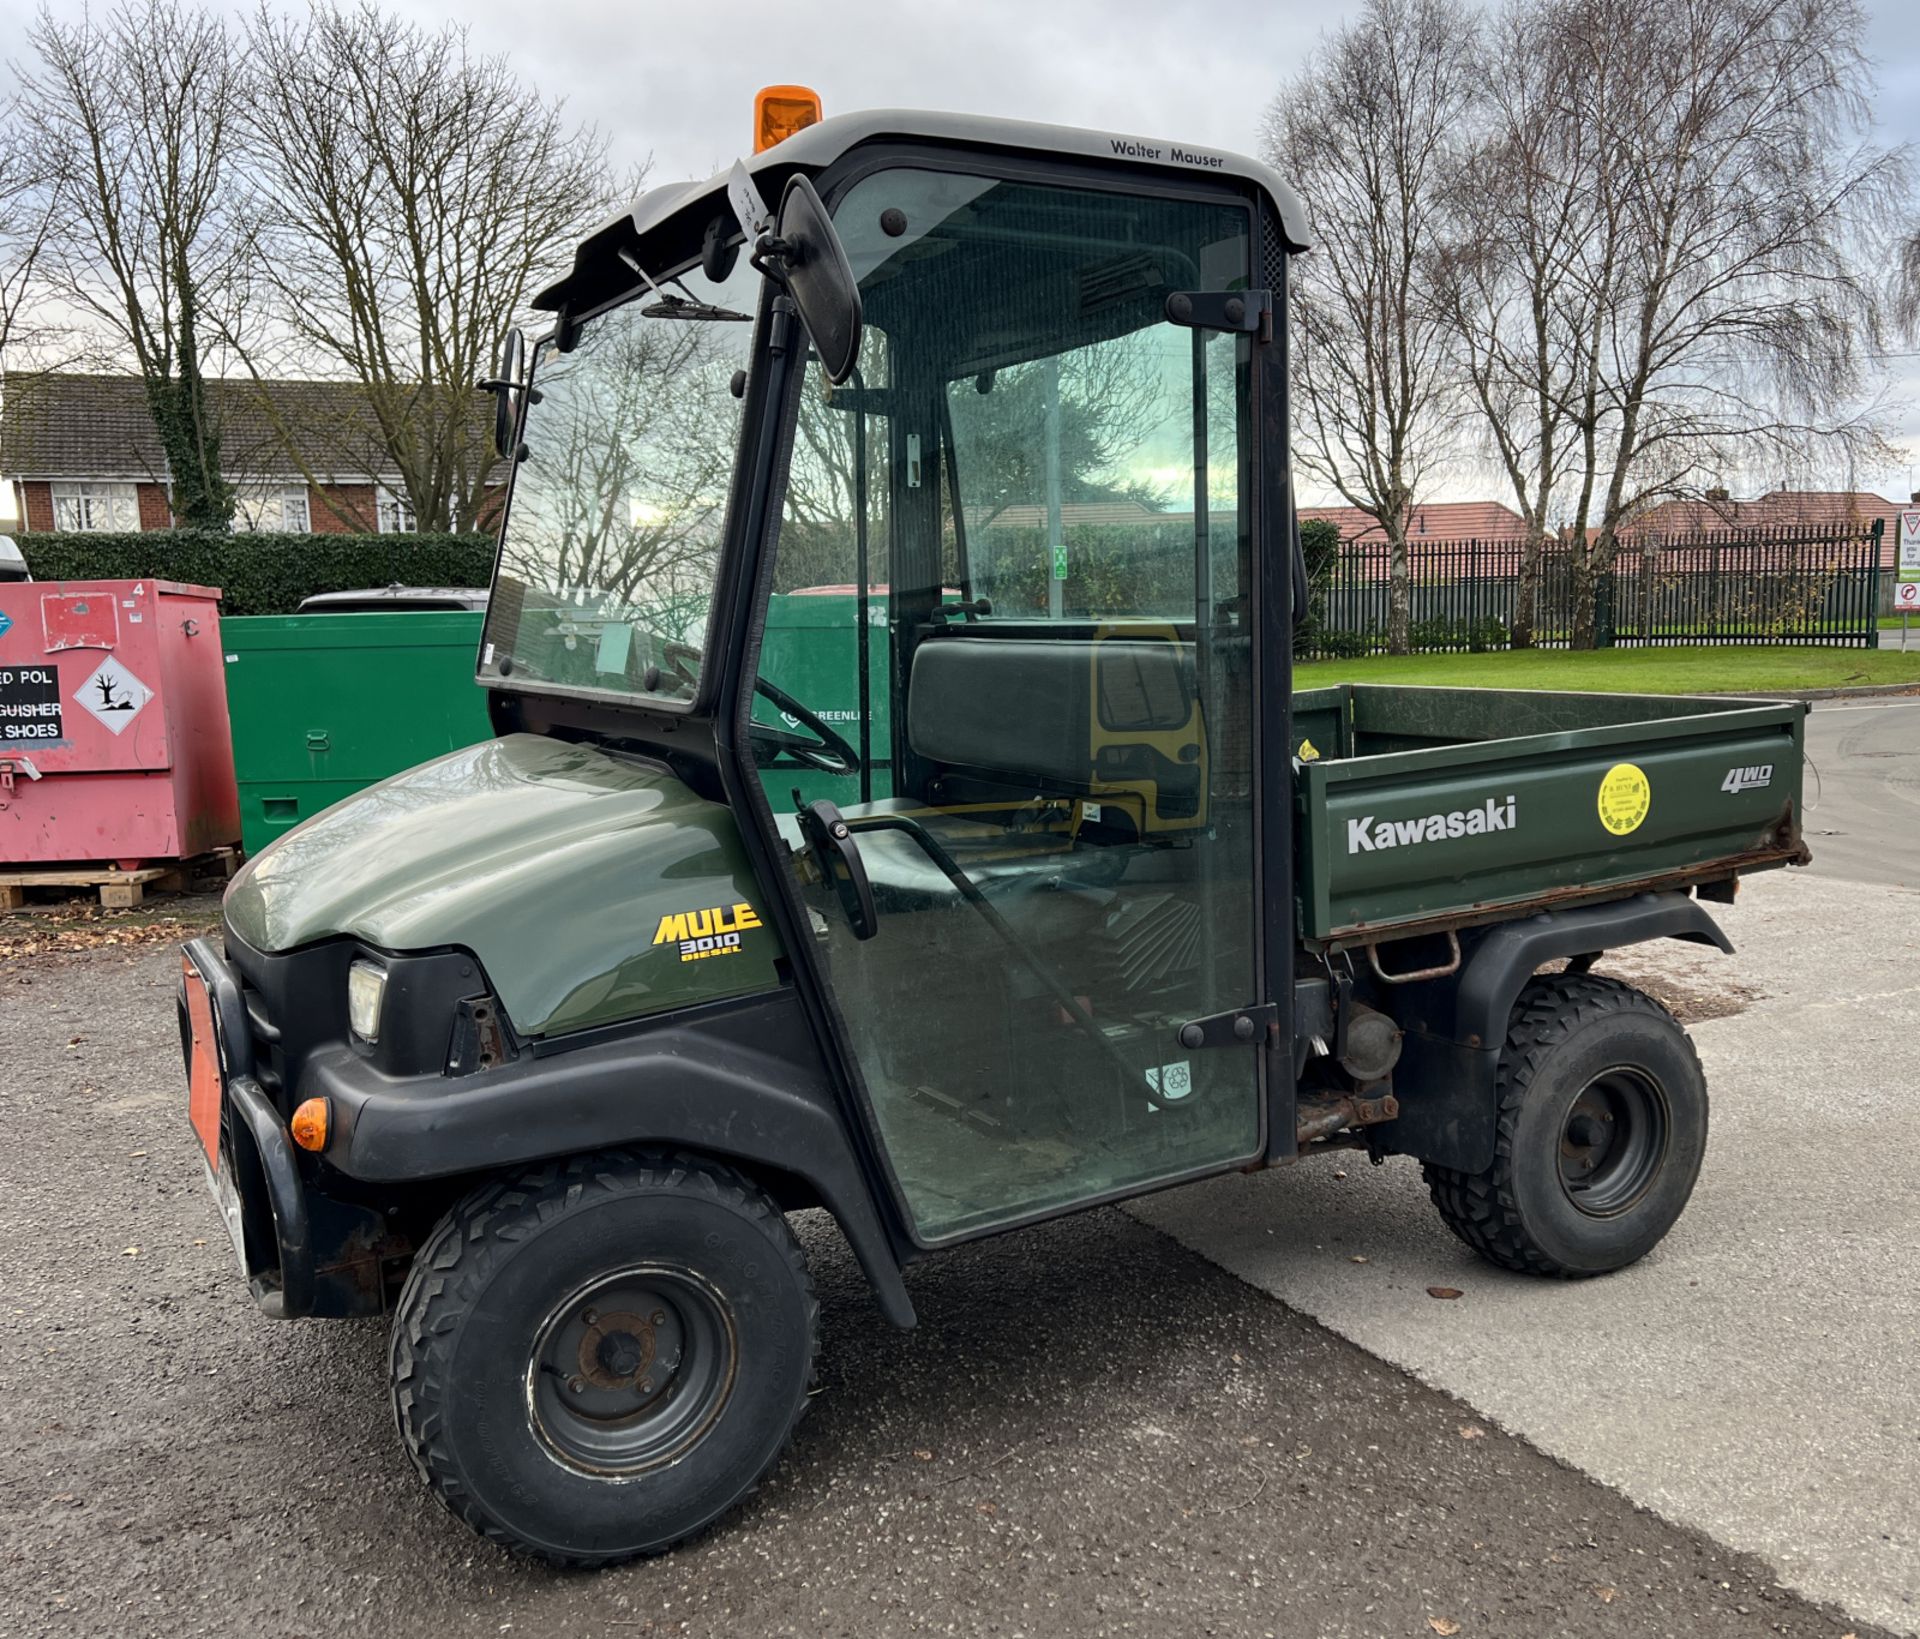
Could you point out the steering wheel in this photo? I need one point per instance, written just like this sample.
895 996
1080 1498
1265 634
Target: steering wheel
827 751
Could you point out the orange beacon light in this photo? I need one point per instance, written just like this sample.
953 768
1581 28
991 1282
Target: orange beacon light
781 110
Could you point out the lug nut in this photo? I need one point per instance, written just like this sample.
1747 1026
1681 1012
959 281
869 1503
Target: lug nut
659 1317
577 1384
589 1316
646 1385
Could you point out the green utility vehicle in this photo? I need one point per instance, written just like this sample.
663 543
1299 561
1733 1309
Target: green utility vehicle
982 446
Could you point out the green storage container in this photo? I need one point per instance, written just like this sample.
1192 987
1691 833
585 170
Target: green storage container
324 705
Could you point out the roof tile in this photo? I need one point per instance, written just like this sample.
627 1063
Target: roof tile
60 425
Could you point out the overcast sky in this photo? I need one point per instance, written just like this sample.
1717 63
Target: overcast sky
676 82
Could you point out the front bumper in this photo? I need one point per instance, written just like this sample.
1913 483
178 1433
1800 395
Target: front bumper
251 1165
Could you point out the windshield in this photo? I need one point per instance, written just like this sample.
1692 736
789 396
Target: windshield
612 541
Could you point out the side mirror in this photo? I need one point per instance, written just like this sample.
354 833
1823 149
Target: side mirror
807 256
505 384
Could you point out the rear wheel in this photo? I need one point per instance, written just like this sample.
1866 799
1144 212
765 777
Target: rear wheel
597 1358
1602 1127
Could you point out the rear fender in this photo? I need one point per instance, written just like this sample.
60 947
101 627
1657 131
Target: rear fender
1445 1079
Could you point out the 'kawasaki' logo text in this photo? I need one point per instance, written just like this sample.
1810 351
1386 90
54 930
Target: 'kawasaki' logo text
1366 834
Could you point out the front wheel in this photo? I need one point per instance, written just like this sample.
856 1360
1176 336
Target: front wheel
597 1358
1602 1127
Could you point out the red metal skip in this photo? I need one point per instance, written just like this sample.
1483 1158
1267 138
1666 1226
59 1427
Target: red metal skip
114 742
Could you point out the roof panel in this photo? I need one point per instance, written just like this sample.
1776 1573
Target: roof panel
680 211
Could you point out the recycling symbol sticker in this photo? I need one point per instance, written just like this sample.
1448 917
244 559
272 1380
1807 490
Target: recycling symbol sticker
113 694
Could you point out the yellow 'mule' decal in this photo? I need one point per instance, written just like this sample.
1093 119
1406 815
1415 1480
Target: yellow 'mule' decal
714 931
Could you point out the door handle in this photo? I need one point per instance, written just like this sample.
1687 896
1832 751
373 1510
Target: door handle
832 844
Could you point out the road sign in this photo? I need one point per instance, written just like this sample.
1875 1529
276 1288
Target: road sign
1906 596
1909 558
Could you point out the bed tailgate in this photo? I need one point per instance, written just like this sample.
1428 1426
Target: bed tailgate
1408 838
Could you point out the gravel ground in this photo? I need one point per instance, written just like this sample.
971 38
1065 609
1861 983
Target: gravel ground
1093 1431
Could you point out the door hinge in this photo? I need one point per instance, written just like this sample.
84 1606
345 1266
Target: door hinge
1237 1027
1248 312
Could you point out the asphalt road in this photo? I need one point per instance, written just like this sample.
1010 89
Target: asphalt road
1094 1431
1863 790
1755 1376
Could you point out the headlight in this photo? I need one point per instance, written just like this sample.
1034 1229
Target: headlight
366 984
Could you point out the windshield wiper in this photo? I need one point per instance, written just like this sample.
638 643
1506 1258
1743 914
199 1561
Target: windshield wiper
671 306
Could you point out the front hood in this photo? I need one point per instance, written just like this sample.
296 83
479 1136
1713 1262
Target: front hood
557 865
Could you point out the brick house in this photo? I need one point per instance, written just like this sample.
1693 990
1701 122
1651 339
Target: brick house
1716 511
83 455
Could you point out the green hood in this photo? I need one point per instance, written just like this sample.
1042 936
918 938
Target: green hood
573 875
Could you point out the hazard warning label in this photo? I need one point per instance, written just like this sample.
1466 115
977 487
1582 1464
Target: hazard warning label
113 694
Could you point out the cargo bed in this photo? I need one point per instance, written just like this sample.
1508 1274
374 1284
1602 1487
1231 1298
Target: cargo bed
1421 809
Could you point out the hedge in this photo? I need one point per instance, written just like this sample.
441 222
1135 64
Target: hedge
262 574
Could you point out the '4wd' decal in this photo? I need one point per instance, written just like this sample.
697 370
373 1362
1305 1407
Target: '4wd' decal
1748 779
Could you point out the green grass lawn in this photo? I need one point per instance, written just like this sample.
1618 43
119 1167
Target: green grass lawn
1697 670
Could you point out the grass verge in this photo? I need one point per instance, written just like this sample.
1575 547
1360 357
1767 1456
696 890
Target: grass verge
1695 670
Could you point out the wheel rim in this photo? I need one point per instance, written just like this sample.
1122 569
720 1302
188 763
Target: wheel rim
630 1372
1613 1142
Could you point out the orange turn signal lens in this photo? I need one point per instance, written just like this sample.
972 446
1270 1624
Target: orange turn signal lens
309 1124
781 110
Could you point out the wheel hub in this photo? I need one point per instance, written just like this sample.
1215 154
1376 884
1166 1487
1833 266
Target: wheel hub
631 1370
617 1349
1613 1141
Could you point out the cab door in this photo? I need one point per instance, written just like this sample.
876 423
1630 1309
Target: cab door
1018 544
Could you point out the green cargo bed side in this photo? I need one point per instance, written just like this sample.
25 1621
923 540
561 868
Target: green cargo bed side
1429 806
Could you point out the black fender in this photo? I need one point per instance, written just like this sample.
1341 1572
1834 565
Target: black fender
1455 1026
741 1081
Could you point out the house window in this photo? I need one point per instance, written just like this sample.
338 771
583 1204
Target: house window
95 507
396 515
272 509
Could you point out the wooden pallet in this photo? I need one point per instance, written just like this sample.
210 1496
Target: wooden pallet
119 890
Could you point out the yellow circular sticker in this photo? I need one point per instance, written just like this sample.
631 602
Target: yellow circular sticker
1625 797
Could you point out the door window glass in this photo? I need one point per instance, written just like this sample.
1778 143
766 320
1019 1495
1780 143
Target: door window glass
1047 483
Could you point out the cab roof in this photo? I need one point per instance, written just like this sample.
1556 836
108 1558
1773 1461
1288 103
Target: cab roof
674 219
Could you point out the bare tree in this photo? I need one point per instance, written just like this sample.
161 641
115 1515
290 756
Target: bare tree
1524 280
1368 131
130 119
1907 286
29 206
1736 287
411 195
27 211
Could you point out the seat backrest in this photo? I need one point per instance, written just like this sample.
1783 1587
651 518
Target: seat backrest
1043 707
